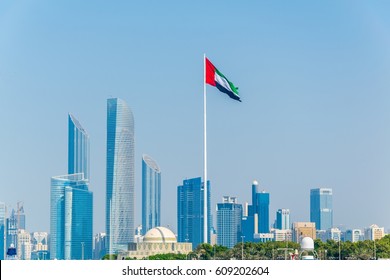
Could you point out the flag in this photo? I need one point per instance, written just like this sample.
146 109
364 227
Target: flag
217 79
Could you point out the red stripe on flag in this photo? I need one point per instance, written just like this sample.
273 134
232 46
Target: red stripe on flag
210 72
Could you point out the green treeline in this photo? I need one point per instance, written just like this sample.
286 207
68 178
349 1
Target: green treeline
280 250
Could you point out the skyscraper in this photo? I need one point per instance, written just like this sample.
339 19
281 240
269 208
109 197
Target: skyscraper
321 208
190 211
11 230
71 202
283 219
2 230
151 194
229 215
259 208
120 176
70 218
78 148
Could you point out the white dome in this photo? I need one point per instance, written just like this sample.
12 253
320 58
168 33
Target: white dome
160 235
255 183
307 243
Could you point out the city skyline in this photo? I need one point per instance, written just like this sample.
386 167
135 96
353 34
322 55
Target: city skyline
313 80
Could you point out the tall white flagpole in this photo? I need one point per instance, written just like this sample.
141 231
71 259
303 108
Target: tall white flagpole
205 216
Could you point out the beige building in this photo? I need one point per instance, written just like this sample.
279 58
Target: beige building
303 229
158 240
374 233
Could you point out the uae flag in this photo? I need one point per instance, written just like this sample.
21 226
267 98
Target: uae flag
215 78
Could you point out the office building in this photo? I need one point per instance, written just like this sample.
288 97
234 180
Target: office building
78 148
100 246
354 235
71 201
190 211
321 208
374 232
120 181
3 212
11 230
303 229
70 218
283 219
151 194
24 245
229 215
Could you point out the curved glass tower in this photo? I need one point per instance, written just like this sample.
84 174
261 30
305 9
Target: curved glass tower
120 176
151 194
78 148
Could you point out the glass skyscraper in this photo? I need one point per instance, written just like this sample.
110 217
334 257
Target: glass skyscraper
2 230
321 208
78 148
259 208
190 211
120 176
229 215
283 219
71 202
70 218
151 194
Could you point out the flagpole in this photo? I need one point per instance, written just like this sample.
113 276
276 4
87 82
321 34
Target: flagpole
205 216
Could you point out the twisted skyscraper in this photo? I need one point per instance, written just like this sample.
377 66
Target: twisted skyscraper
120 176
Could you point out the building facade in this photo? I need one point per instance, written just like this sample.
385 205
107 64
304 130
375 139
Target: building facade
78 148
3 212
321 208
303 229
374 232
70 218
151 194
159 240
229 216
120 180
354 235
259 207
24 245
283 219
190 211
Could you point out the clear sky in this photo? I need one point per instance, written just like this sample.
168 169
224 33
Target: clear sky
313 77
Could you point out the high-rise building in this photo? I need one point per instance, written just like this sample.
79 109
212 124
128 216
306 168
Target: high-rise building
120 188
71 201
100 246
190 211
229 215
354 235
374 232
259 207
321 208
2 230
11 230
78 148
283 219
70 218
24 245
151 194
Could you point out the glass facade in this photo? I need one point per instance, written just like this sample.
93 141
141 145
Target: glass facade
151 194
190 211
78 148
321 208
2 230
263 211
283 219
70 218
120 176
229 216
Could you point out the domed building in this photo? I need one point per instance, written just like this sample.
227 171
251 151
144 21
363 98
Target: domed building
158 240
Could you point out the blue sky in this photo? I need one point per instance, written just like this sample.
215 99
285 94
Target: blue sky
313 76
